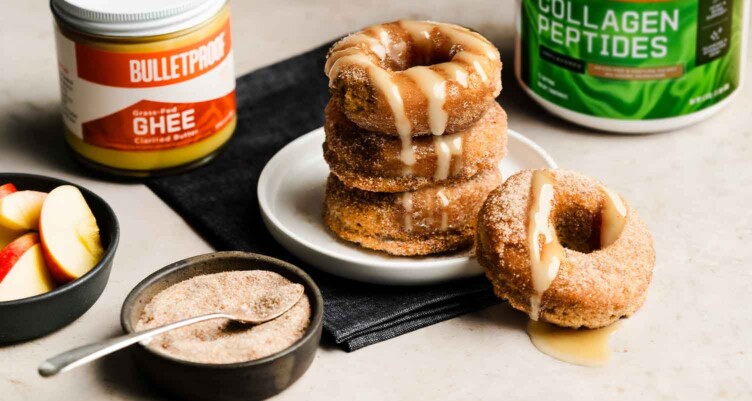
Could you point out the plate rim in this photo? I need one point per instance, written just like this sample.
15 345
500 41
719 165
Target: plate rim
399 262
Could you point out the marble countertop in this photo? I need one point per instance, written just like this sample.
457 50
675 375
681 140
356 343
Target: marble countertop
690 341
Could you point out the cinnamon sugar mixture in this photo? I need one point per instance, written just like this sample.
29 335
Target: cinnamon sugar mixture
257 293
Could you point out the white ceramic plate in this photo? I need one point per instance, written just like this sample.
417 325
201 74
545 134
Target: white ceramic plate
291 196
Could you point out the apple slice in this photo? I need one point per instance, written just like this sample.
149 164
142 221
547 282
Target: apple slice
7 235
7 189
10 253
70 235
28 276
20 210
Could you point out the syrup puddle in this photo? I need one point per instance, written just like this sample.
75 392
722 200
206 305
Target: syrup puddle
586 347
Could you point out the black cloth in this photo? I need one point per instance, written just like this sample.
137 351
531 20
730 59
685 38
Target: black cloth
277 104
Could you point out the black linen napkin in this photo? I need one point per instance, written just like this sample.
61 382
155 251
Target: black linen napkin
277 104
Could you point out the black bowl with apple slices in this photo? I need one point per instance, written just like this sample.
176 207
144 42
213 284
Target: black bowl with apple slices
33 317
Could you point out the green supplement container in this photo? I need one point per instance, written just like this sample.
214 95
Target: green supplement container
632 66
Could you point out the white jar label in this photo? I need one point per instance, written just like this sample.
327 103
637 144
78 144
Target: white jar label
161 98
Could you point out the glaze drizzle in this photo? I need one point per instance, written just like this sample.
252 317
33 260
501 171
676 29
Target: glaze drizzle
546 253
381 45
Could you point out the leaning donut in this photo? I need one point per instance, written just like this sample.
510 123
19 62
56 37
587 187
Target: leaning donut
414 77
605 266
372 162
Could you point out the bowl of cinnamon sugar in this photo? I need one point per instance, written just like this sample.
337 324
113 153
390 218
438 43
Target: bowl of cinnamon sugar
220 359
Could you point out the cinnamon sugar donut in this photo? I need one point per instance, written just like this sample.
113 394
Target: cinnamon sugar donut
371 161
414 77
594 256
429 220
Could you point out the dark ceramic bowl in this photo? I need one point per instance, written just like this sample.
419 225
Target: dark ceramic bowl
33 317
252 380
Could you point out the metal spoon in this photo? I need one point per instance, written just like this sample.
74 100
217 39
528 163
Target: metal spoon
76 357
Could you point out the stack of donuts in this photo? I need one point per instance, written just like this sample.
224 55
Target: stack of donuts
414 136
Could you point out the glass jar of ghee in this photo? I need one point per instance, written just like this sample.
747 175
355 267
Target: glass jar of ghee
147 86
632 66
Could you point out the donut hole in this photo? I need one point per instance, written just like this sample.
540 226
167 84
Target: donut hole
577 227
427 57
440 50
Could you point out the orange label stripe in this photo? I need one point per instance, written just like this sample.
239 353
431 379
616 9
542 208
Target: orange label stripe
149 125
144 70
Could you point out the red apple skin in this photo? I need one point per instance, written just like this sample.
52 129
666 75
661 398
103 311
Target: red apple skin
7 189
56 270
13 251
7 236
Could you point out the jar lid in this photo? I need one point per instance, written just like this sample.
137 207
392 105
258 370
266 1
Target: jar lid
133 18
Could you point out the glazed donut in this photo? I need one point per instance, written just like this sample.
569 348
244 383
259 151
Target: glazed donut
593 257
371 161
414 77
429 220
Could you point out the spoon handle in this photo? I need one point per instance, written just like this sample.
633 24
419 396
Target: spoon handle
76 357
